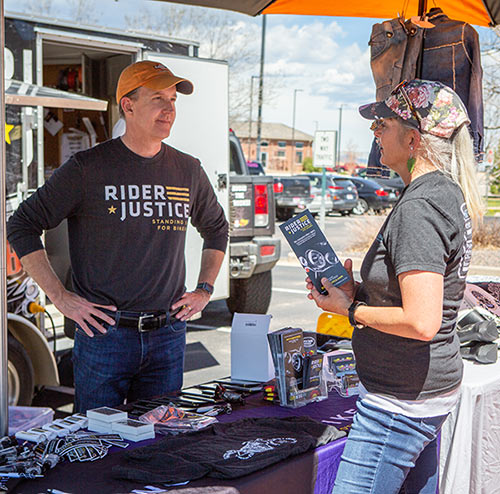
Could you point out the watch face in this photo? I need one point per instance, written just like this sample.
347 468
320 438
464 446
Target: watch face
207 287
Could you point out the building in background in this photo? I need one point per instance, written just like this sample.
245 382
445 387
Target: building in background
282 149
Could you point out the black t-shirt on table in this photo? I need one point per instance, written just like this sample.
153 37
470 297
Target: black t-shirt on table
127 221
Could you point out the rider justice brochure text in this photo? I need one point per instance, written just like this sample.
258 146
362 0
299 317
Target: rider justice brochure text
313 250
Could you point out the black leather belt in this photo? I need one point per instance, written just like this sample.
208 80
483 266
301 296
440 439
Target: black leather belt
143 321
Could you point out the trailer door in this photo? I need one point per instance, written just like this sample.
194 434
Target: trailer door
201 129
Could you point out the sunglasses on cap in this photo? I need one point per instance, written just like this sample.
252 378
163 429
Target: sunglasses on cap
399 89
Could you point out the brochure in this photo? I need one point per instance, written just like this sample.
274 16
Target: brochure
313 251
298 370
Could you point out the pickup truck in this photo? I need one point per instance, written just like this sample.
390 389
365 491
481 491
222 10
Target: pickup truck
253 251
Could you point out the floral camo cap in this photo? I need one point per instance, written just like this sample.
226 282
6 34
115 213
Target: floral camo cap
429 106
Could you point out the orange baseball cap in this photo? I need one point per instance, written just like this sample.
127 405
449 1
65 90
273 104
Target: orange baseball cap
152 75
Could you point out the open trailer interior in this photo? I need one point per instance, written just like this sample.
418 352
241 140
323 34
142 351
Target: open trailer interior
90 71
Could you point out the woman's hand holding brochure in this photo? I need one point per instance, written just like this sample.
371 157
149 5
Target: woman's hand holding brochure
338 299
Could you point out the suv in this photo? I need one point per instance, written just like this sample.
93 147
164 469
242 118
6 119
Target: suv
342 191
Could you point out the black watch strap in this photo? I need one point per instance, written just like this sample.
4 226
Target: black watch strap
351 311
207 287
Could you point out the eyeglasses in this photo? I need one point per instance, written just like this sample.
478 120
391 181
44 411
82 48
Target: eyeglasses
376 124
400 88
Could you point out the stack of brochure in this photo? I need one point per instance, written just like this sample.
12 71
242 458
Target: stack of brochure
298 369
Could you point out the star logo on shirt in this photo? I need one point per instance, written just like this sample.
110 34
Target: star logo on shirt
8 129
112 210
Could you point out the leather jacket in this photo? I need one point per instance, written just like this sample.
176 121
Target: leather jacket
450 54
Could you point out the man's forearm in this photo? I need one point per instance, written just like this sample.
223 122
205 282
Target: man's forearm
37 265
211 261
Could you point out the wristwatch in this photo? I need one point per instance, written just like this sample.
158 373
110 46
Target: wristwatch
206 287
351 311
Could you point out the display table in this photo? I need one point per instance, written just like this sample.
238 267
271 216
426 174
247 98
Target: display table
312 472
470 439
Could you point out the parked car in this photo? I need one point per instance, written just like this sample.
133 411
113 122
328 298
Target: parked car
255 168
293 195
342 191
316 193
316 199
372 196
393 180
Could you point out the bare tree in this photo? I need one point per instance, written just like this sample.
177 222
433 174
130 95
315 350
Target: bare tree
42 7
81 11
490 55
220 38
84 11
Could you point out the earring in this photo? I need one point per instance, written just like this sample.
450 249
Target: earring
410 164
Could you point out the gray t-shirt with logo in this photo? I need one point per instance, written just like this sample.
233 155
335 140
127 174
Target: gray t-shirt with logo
429 229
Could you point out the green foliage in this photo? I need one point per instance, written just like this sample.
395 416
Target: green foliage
307 166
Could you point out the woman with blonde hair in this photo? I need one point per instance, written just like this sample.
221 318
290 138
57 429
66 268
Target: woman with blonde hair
413 279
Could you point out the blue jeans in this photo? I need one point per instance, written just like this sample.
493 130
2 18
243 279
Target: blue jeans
124 364
389 453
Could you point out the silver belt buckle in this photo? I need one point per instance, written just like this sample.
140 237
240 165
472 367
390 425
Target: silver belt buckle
141 320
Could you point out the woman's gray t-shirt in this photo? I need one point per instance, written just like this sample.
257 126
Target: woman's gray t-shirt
429 229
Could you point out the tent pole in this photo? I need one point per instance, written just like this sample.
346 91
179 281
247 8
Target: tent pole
422 7
422 10
261 88
4 394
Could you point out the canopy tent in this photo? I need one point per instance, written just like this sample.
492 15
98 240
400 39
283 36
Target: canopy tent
477 12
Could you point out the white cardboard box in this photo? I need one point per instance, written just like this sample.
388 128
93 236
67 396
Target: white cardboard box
250 354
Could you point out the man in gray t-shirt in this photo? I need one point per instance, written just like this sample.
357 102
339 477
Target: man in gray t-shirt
419 234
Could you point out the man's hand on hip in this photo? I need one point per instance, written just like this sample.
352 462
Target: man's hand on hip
83 312
68 303
191 303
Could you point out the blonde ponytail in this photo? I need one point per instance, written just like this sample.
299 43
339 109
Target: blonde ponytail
455 158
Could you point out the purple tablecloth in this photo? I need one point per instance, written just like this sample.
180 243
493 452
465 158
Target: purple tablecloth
309 473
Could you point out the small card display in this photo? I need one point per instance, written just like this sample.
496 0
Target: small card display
342 366
313 251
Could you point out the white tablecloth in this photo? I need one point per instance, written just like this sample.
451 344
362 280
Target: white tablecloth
470 439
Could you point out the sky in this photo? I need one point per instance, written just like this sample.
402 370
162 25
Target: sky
326 58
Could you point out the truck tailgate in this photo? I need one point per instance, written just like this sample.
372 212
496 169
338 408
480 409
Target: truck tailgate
242 195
